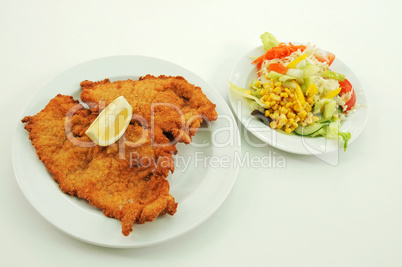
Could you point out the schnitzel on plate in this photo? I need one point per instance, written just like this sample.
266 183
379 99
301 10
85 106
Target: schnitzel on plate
126 180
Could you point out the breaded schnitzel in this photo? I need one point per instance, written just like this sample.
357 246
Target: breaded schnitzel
126 180
170 103
102 175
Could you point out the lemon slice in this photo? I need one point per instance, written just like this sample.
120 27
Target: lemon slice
111 123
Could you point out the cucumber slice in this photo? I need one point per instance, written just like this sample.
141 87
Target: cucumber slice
329 110
320 132
319 106
309 70
309 130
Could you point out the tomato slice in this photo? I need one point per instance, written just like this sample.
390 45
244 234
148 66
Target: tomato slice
346 88
351 102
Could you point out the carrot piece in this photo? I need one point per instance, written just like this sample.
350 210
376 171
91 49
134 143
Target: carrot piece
277 67
280 51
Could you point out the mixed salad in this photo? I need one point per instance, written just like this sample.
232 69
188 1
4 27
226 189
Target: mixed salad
296 93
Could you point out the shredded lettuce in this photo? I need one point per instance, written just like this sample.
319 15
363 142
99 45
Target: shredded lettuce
268 40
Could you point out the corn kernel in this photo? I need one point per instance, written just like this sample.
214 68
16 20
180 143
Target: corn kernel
291 115
278 84
310 100
308 108
289 105
275 107
288 130
258 84
297 119
285 95
295 125
302 114
277 90
298 108
272 95
273 124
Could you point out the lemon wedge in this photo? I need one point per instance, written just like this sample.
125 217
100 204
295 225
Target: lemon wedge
111 123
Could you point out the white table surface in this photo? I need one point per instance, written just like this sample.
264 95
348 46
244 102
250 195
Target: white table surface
306 214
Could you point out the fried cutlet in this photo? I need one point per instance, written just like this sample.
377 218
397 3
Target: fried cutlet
131 191
170 103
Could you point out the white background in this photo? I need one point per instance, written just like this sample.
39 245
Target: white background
306 214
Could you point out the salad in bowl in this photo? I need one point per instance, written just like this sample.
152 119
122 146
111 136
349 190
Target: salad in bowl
296 93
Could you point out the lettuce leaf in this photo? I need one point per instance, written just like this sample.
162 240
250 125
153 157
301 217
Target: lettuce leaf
268 40
334 133
242 92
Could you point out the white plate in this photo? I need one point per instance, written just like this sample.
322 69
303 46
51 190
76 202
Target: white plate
199 188
245 72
